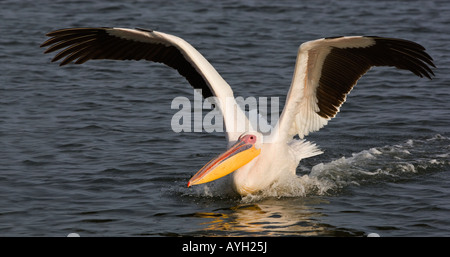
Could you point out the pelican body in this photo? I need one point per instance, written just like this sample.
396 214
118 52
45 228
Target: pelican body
326 70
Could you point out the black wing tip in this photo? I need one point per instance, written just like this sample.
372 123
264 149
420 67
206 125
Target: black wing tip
61 36
425 59
68 31
422 57
59 32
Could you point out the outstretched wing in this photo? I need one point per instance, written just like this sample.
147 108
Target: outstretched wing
327 70
82 44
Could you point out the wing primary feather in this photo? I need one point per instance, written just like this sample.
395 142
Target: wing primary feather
332 67
80 45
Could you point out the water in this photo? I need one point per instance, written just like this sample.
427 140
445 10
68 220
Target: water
89 149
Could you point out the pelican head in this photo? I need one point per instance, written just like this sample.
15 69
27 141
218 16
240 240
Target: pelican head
246 148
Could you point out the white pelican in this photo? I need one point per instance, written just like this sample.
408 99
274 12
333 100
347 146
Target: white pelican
326 70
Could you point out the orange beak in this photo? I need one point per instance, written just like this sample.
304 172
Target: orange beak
237 156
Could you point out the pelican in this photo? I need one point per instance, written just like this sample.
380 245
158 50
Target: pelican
326 70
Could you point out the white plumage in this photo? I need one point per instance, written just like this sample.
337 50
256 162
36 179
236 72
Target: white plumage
326 71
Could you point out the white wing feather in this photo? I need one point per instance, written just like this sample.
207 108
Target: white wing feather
300 114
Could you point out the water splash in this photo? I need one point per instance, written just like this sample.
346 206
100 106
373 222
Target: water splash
390 163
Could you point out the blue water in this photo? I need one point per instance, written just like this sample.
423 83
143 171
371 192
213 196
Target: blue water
89 149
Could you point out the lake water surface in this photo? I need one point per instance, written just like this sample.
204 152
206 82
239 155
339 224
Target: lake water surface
89 149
